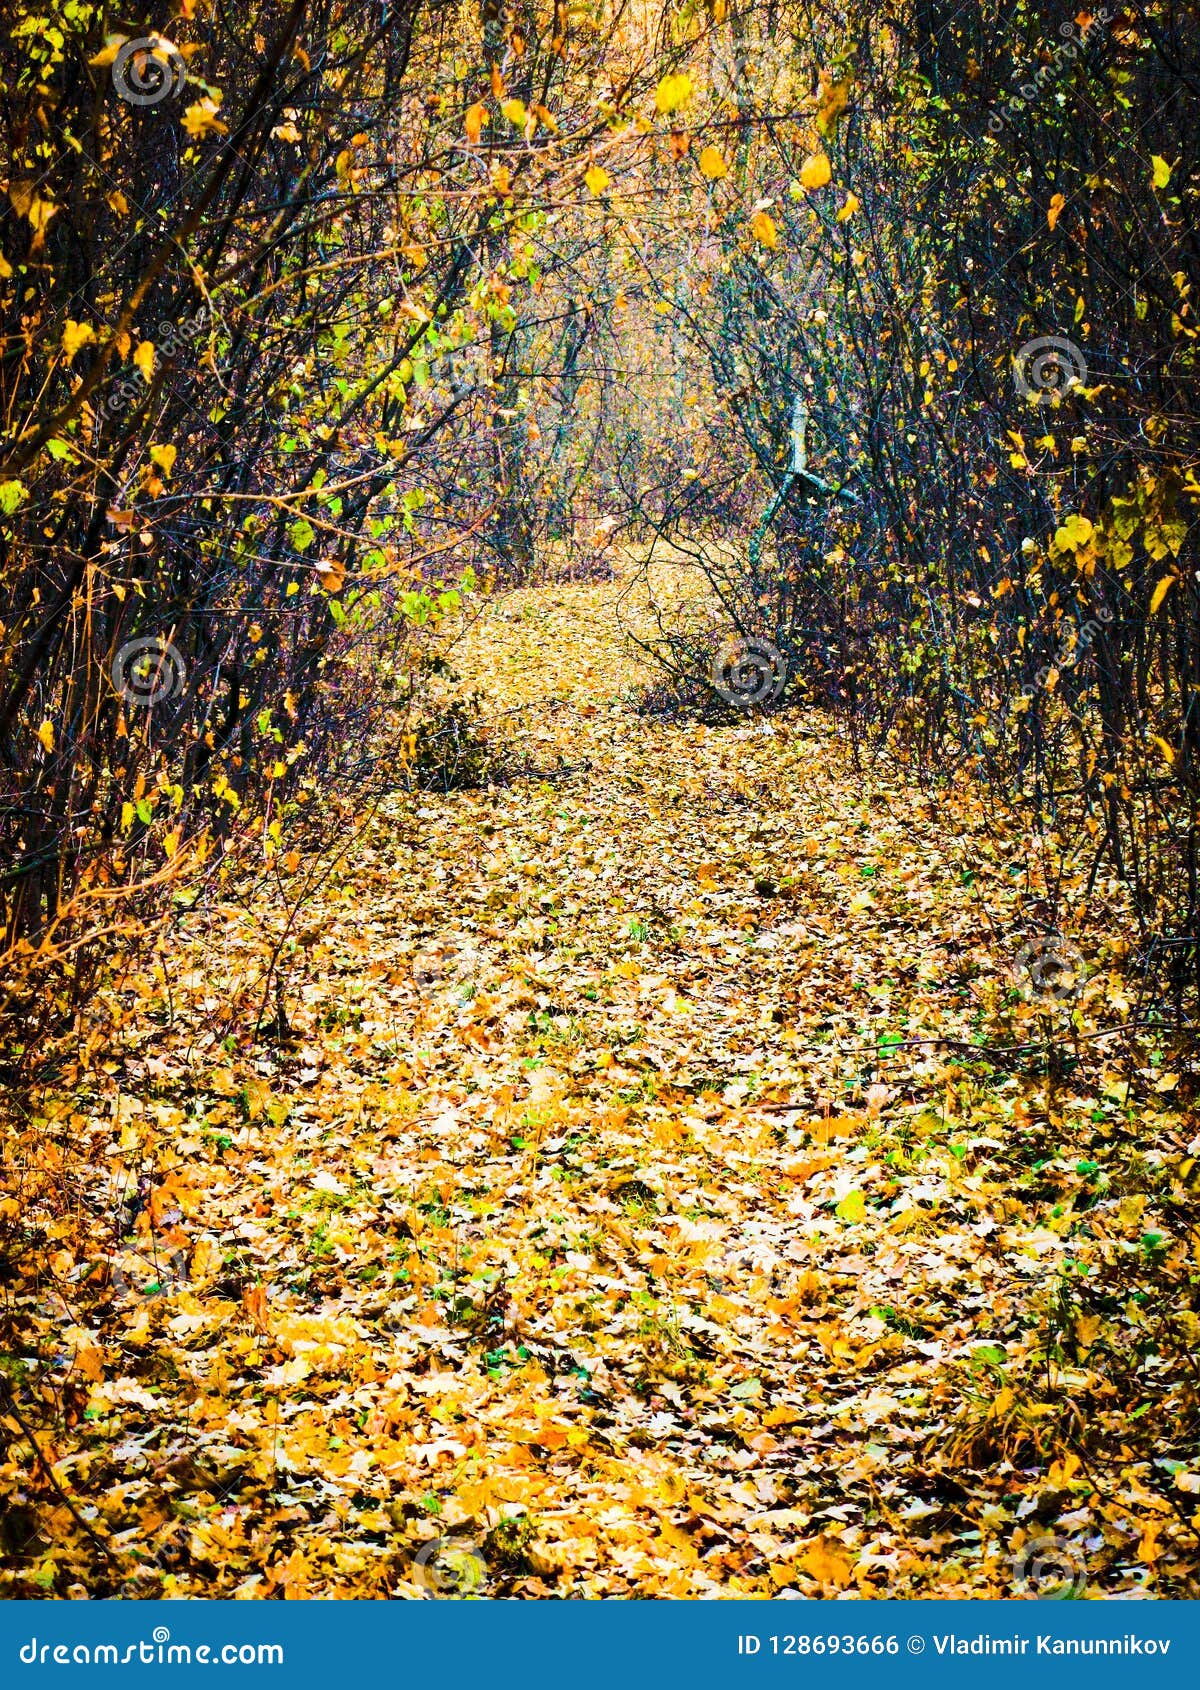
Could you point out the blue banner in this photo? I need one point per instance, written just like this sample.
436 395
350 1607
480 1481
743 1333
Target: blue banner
445 1643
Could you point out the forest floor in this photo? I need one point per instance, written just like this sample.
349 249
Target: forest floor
639 1205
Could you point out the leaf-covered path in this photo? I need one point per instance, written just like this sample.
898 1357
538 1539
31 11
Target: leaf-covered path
615 1210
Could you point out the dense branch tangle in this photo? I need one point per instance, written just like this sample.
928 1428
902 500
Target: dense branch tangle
257 299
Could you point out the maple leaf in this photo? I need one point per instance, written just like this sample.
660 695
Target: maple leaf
200 119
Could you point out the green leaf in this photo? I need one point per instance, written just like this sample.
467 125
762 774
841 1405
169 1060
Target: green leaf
853 1207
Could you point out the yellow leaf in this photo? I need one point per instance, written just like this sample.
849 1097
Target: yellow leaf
200 119
596 178
763 229
514 111
171 843
1165 751
848 210
107 54
144 358
673 92
502 179
76 335
164 457
822 1561
712 164
815 172
26 202
475 119
1054 210
853 1207
46 735
5 268
1162 171
1075 532
1160 592
832 104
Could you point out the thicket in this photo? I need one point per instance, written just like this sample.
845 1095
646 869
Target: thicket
266 418
989 316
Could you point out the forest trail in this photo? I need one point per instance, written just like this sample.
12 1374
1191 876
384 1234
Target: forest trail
614 1223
